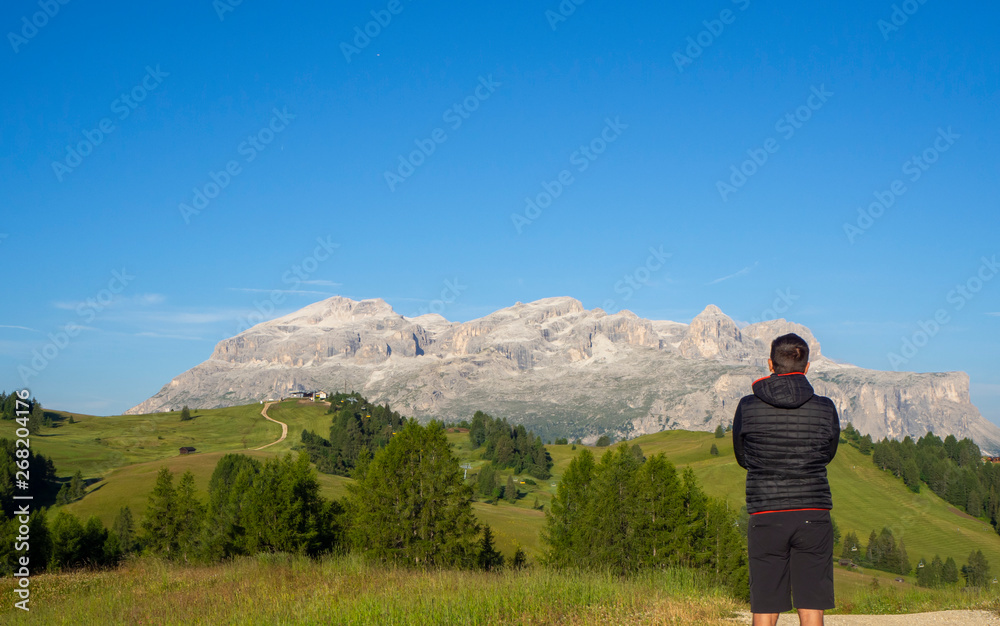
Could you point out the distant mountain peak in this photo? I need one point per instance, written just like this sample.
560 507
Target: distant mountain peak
557 367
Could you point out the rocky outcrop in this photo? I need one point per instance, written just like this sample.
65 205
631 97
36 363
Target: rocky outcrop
557 367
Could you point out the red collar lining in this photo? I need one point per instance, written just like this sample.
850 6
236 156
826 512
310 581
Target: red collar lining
766 377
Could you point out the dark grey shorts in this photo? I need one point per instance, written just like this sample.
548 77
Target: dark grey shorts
791 555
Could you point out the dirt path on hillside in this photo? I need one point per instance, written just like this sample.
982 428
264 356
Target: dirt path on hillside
937 618
284 427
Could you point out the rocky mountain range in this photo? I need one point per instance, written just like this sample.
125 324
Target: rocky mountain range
558 368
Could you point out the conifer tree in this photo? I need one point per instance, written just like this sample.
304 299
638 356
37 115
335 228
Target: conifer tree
412 508
949 571
160 522
510 490
714 450
977 570
185 413
564 519
520 560
488 558
123 529
720 432
190 515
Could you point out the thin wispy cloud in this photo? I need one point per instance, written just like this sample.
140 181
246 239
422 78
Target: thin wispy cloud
285 291
321 283
742 272
167 336
34 330
997 314
142 299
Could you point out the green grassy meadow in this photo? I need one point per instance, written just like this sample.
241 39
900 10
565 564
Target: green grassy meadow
124 453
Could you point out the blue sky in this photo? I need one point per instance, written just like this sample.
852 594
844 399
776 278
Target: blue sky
166 167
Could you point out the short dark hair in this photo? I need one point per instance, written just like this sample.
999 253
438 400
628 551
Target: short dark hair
789 353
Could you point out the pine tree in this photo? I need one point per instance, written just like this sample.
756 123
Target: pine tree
714 450
77 487
977 570
720 432
190 514
850 543
520 560
902 560
412 506
185 413
510 490
488 558
614 507
124 529
160 522
603 441
67 539
949 571
563 534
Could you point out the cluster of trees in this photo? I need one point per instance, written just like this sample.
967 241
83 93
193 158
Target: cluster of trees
882 552
252 507
490 487
510 446
937 573
20 463
952 469
65 542
629 513
73 490
976 571
358 429
11 404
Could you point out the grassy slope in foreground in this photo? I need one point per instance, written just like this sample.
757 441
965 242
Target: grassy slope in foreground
111 447
281 590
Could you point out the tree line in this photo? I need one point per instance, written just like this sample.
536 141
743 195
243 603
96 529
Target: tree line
883 553
509 446
954 470
630 513
358 428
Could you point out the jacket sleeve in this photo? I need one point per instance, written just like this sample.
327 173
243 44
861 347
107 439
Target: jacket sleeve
738 436
834 434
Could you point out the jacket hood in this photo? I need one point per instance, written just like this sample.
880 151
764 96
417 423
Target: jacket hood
785 391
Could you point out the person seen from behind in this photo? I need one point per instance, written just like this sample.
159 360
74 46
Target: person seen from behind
785 435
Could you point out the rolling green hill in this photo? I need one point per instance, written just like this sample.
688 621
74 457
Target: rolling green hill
125 452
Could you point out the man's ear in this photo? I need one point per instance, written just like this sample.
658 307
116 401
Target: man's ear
770 365
806 370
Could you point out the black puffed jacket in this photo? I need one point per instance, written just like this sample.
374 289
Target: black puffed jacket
784 435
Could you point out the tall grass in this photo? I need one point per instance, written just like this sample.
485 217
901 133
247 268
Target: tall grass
882 597
270 589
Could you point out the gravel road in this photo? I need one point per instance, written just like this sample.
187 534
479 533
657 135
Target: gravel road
938 618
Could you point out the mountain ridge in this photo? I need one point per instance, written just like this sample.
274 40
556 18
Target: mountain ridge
557 367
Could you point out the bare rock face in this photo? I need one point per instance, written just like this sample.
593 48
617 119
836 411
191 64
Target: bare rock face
557 367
